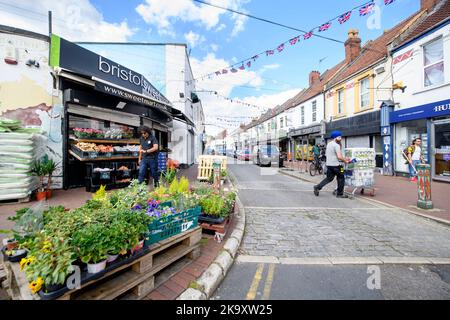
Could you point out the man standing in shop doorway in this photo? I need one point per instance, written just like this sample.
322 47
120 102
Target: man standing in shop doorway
148 155
334 166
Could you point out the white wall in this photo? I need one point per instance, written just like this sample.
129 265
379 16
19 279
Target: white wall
296 112
411 72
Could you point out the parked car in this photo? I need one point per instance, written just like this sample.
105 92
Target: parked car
244 155
266 155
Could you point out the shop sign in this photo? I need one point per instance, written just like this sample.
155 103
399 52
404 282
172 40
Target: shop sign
431 110
386 131
306 131
71 57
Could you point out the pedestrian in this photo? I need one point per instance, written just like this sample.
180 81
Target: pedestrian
148 155
415 157
316 152
334 166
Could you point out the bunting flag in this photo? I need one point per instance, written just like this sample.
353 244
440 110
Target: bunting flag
364 10
367 9
294 40
325 27
308 35
345 17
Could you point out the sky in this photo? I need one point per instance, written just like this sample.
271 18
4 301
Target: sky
217 39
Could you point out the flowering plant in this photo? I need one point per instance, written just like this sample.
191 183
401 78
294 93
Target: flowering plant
88 133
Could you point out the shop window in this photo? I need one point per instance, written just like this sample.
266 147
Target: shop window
433 56
302 113
364 93
405 133
340 101
314 111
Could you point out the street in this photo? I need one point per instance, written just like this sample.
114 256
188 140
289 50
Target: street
297 246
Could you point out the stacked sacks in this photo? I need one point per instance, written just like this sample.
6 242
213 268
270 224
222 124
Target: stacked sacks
18 148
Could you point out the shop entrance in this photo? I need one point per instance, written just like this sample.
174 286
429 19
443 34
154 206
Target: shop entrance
441 159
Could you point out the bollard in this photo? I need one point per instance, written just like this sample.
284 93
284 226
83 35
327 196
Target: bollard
424 186
217 164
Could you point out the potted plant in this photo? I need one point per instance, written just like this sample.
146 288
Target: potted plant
116 241
50 166
39 170
92 246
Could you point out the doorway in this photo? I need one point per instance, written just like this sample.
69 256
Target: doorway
441 143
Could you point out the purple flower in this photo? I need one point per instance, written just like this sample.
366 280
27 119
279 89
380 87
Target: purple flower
137 207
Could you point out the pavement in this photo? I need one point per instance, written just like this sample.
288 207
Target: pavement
391 190
298 246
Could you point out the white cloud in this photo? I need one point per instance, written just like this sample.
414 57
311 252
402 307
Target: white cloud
194 39
214 47
164 14
221 27
74 20
224 85
270 67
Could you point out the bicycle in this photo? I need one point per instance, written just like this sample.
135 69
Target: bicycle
316 167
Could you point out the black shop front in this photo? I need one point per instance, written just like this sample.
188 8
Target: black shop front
104 104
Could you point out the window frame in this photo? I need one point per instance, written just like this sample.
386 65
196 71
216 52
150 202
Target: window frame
361 106
425 67
314 110
340 110
302 115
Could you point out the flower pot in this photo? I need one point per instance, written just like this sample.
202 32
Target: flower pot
41 195
11 244
48 194
138 247
53 287
96 267
112 257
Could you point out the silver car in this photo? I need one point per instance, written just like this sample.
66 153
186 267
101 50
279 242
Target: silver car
266 155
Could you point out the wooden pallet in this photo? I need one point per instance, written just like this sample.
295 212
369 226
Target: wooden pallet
218 228
205 166
132 281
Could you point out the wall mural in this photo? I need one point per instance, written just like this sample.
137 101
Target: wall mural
26 87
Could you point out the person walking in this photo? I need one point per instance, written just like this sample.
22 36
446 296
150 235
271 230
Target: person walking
316 152
415 157
334 166
148 155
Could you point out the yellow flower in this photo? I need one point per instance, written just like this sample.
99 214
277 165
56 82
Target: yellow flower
23 263
36 285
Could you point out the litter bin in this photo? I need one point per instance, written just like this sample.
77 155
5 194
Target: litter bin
424 186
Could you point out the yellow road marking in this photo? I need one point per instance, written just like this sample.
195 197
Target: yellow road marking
251 294
269 280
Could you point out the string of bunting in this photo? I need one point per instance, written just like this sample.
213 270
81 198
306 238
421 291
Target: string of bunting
233 100
363 10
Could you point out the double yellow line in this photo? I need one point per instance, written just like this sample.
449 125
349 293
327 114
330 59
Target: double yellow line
251 294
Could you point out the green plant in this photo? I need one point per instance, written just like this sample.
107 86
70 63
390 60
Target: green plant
38 169
19 214
218 205
49 167
174 186
183 185
50 258
91 243
168 176
223 173
135 193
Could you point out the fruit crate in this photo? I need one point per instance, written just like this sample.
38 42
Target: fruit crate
172 225
84 154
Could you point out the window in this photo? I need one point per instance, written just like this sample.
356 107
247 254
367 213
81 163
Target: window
281 123
268 127
286 121
302 112
314 111
433 62
364 93
340 101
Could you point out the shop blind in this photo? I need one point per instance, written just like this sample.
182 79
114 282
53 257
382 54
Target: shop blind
105 114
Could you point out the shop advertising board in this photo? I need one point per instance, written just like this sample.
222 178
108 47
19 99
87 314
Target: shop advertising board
431 110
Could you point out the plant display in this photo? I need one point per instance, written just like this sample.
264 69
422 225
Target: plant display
39 170
168 176
85 133
218 205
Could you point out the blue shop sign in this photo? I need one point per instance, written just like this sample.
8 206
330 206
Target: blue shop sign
431 110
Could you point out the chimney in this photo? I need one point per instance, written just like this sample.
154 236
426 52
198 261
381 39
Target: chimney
352 46
314 77
427 4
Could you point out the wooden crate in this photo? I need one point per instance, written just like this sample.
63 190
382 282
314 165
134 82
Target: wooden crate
132 281
205 166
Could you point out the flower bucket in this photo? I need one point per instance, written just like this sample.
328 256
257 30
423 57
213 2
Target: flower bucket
96 267
41 195
138 247
112 258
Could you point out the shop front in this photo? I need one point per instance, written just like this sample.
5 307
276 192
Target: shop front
431 123
361 131
104 104
304 138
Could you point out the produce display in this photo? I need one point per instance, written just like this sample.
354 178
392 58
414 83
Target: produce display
19 147
113 134
87 133
110 224
123 168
